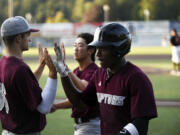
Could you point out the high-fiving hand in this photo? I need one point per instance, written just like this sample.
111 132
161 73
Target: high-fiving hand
59 63
41 55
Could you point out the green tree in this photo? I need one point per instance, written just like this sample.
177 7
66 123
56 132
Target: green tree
3 10
59 17
91 10
160 9
78 10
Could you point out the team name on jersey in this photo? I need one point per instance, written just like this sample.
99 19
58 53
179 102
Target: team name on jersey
110 99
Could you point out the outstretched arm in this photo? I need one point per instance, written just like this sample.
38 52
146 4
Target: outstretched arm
49 92
79 83
65 104
71 91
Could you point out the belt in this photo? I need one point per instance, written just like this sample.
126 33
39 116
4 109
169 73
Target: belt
81 120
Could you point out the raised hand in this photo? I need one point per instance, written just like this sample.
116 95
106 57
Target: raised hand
40 68
57 49
59 64
41 55
50 64
63 52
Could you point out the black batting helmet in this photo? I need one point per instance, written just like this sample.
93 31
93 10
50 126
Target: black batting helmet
115 35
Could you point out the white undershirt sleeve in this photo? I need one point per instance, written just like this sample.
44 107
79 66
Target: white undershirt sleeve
48 95
131 129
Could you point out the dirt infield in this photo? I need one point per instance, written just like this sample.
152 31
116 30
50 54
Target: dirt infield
168 103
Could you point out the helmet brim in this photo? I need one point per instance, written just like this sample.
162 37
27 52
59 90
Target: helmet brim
104 44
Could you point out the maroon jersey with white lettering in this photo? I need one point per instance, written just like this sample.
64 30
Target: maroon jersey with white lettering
92 111
122 96
23 95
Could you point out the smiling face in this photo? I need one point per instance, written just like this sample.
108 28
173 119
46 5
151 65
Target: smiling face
80 50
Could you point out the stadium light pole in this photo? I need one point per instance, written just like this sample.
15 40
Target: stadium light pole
10 6
106 9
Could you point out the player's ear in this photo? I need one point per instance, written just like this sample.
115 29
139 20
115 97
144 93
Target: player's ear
91 50
18 38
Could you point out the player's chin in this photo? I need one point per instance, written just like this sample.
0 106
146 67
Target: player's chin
75 57
25 49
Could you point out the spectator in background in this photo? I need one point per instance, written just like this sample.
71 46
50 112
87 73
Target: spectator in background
87 121
164 41
175 44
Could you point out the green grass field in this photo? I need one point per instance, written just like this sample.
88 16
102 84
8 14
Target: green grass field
163 125
167 123
165 87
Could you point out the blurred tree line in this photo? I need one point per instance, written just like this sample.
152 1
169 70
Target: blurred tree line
50 11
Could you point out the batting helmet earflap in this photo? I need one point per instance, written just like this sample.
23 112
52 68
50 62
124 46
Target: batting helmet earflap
112 34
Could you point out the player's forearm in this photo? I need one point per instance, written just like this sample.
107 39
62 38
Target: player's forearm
72 93
65 104
142 125
48 95
138 126
79 84
38 72
53 74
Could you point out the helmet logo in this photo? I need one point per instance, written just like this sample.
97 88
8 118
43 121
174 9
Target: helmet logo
96 35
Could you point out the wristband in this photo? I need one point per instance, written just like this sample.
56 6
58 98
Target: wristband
68 70
131 129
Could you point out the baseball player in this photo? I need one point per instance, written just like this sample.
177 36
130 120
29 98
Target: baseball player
87 121
175 45
123 91
23 104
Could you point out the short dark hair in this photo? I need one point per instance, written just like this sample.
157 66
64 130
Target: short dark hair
88 39
8 40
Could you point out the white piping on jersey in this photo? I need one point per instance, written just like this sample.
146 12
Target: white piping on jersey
110 99
99 84
3 100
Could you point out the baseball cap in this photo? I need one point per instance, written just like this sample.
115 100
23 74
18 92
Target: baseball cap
15 25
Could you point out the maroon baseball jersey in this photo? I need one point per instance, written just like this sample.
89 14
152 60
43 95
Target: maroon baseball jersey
122 96
23 95
92 111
